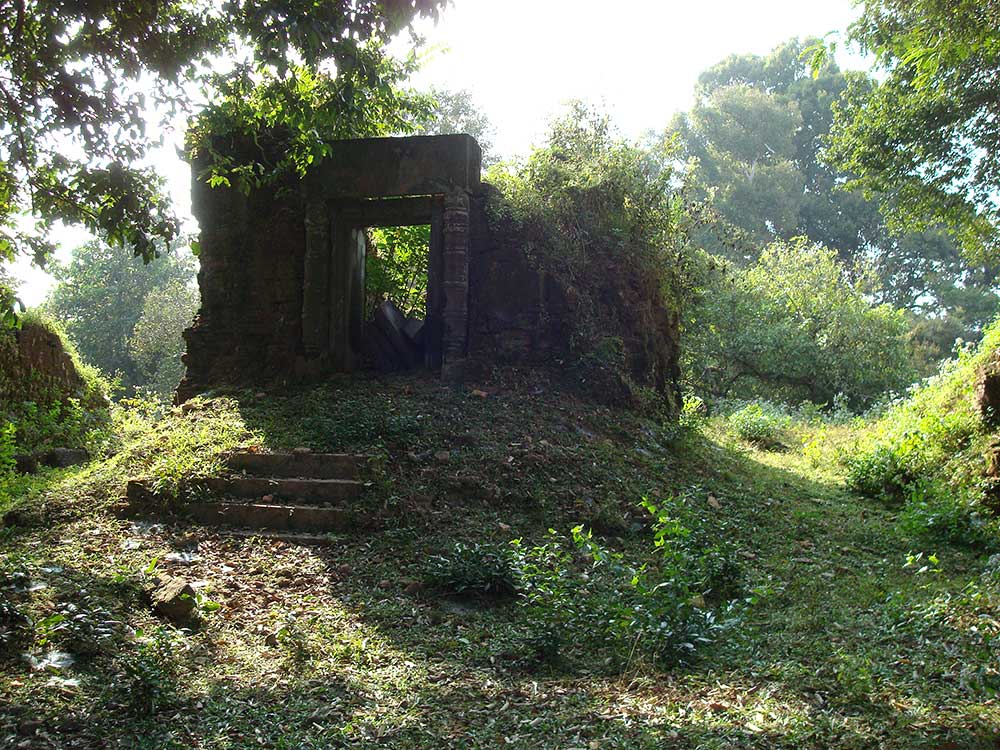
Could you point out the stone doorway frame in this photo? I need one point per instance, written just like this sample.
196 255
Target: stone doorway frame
387 182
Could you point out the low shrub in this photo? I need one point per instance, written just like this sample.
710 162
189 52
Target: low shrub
934 511
80 626
148 679
574 593
880 472
474 570
758 424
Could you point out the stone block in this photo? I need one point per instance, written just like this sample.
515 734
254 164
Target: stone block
173 599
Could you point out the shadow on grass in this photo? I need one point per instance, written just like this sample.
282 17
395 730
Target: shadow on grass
801 671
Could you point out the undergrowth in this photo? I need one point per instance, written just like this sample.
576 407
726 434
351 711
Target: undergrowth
929 453
38 411
753 604
580 599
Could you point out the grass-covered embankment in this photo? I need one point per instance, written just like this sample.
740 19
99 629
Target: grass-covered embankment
930 453
825 628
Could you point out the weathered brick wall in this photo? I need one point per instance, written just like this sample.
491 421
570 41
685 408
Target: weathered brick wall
520 313
34 366
517 313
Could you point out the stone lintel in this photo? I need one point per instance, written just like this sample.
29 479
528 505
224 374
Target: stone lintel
415 165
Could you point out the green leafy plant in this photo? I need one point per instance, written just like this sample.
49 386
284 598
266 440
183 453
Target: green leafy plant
292 634
8 447
476 569
934 512
81 626
582 594
880 472
755 424
149 676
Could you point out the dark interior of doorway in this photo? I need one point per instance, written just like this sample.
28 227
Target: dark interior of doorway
396 277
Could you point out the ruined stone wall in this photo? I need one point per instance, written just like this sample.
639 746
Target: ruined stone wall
277 293
517 312
34 366
611 332
249 327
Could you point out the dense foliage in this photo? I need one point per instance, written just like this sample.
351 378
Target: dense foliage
757 131
396 268
282 125
925 137
78 82
793 326
126 317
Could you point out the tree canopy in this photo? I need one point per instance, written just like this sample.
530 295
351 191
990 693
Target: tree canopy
925 139
103 293
757 132
794 326
80 81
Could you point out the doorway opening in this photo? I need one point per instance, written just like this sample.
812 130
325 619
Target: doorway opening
397 263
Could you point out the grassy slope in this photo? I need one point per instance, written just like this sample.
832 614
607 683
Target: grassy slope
844 646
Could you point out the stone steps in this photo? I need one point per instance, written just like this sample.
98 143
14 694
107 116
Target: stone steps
298 464
300 518
307 491
289 537
298 495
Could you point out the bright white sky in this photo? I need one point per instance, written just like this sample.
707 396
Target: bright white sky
523 59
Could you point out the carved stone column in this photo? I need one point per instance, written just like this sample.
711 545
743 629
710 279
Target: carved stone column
456 283
433 321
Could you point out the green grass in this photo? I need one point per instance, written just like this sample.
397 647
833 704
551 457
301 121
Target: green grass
841 643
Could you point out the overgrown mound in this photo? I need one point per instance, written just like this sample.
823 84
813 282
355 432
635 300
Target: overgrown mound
937 451
602 219
48 397
621 577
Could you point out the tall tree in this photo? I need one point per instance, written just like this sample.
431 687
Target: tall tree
156 344
776 116
793 326
744 139
80 80
457 112
925 138
100 297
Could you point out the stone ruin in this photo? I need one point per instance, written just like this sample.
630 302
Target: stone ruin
283 273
